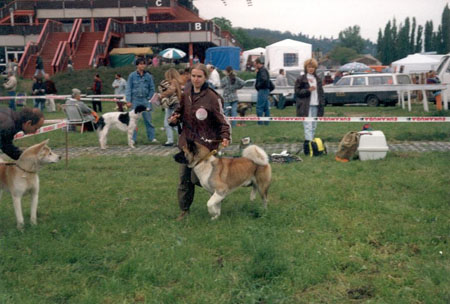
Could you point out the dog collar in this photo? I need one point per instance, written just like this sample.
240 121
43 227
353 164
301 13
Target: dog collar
213 152
31 172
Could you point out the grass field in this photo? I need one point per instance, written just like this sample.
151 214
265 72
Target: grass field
360 232
372 232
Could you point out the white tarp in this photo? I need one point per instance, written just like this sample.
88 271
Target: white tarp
416 63
287 54
250 55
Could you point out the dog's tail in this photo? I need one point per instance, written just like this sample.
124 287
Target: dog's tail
256 154
100 124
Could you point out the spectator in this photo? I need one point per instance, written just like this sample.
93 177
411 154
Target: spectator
70 64
433 79
185 77
12 122
195 60
85 110
337 76
200 112
97 90
120 88
327 78
39 67
38 89
12 66
230 84
310 100
50 88
10 85
140 89
155 62
281 81
262 85
214 77
170 90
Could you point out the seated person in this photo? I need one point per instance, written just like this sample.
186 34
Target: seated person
87 113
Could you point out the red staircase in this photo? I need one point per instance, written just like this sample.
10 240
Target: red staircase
48 52
84 51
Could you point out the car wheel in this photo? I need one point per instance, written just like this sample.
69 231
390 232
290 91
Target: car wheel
372 101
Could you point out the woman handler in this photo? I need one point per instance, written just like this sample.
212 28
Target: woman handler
203 121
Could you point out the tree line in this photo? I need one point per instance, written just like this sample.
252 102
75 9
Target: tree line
398 41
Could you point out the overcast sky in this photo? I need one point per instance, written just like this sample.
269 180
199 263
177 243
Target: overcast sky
324 18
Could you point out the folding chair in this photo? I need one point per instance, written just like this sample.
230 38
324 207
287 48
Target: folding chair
75 117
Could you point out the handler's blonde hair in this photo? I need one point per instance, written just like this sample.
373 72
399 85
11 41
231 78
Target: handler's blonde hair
312 63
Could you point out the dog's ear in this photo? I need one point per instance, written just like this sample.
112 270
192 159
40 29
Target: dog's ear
191 146
180 158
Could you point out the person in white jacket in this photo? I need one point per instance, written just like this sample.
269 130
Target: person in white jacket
214 77
120 88
10 86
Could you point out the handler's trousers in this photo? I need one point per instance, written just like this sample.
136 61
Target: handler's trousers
186 187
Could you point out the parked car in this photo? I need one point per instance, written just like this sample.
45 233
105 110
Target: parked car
371 98
273 98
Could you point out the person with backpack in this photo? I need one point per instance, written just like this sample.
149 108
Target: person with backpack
310 100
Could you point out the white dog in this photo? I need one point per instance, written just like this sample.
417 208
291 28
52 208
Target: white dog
124 121
21 176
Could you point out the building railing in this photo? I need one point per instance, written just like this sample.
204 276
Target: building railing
70 4
34 48
101 46
63 56
76 35
167 26
21 29
30 49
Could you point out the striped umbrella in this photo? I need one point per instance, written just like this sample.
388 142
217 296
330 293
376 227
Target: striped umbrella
172 53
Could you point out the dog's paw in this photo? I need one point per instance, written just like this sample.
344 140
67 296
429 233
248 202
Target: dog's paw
33 221
20 226
214 217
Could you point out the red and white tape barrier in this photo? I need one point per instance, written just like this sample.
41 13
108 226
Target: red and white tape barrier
345 119
45 129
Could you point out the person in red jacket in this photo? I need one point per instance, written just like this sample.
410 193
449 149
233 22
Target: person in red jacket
201 115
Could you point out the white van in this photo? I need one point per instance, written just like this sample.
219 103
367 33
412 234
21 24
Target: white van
443 70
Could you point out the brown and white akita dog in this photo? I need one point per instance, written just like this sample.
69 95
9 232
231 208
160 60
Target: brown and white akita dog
22 176
220 176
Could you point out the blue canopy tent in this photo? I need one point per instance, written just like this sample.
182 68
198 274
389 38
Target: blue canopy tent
223 56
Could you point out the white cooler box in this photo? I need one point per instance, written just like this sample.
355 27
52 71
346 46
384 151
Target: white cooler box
372 145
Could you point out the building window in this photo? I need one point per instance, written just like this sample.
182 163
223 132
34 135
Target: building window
290 59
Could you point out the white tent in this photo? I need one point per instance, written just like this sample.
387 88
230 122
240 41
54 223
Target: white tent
250 55
416 63
287 54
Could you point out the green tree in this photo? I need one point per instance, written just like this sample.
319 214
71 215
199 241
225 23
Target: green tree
412 37
403 40
437 44
419 42
223 23
445 48
351 38
428 36
343 54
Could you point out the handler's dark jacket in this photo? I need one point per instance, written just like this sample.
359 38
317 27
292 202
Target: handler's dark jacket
10 125
210 131
303 96
262 79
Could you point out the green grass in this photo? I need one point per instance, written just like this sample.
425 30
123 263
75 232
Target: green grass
333 233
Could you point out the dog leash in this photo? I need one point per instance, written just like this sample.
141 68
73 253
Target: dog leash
15 164
211 153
